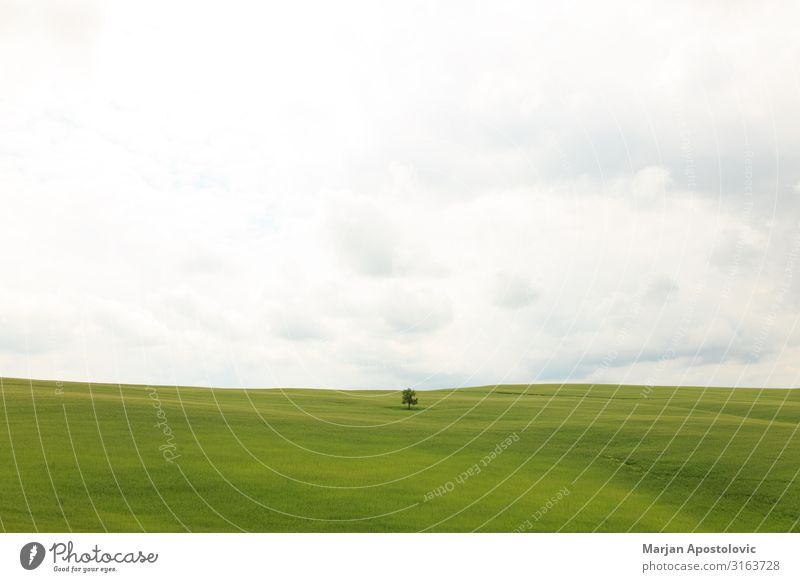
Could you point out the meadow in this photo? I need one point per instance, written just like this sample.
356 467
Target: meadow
576 458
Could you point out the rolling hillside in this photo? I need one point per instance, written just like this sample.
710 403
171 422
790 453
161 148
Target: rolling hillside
81 457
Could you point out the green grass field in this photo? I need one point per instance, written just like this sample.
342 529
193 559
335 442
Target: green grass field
80 457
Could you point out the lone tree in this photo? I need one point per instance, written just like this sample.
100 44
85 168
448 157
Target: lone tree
409 397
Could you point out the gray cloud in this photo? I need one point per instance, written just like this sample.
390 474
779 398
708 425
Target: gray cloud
513 292
661 289
364 237
417 311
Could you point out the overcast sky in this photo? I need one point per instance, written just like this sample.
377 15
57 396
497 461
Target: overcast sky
374 195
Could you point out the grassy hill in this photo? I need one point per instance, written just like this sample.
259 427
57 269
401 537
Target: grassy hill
95 457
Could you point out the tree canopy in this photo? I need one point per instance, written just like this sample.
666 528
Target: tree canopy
409 397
